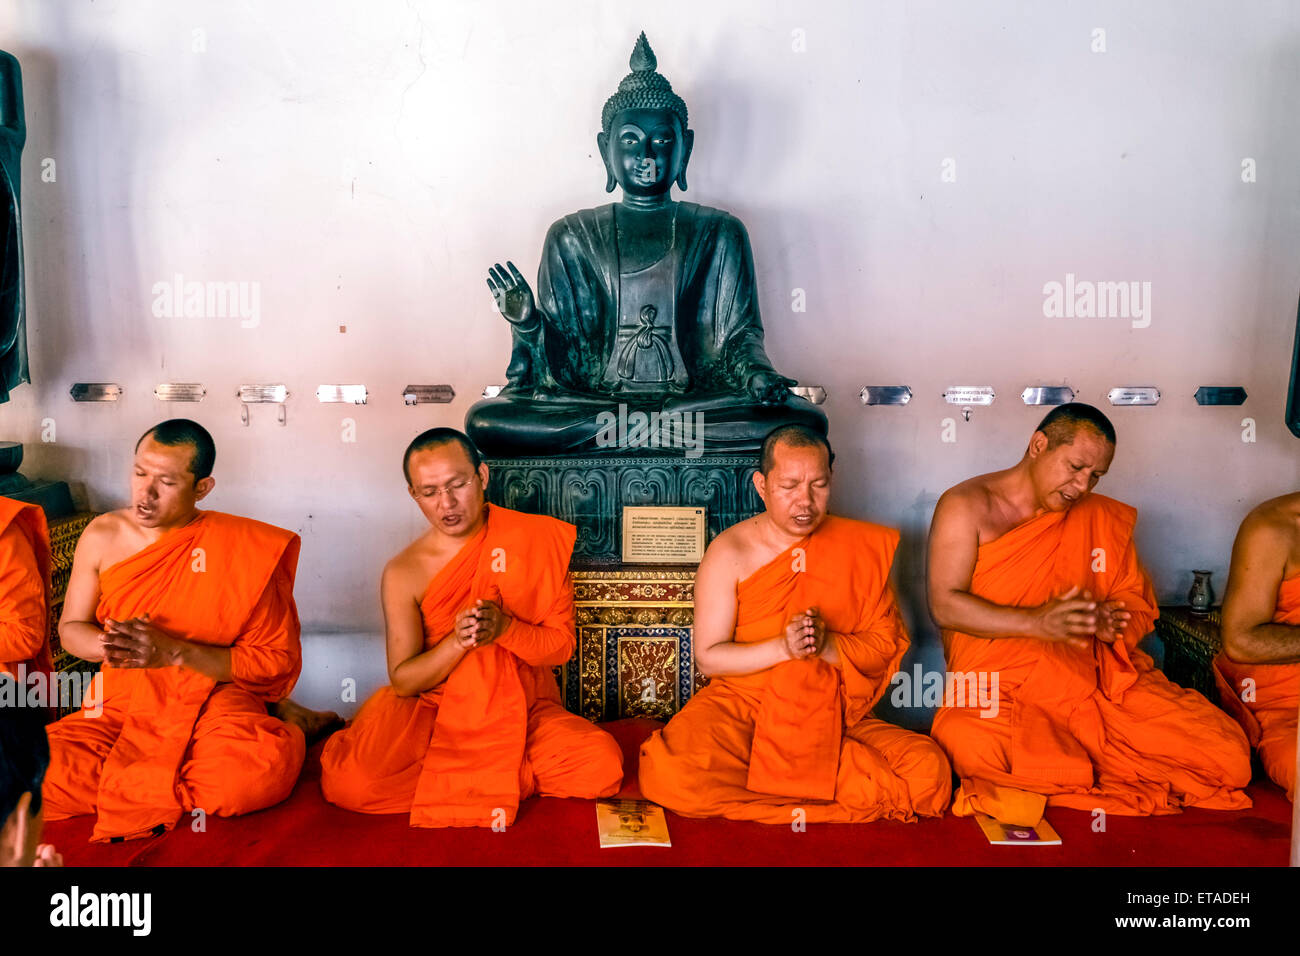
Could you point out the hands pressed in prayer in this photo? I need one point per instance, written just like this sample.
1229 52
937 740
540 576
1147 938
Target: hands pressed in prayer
137 643
805 635
481 624
492 621
1111 620
1069 619
769 388
465 629
820 634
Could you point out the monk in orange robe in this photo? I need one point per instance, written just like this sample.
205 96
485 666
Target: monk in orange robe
797 627
477 612
24 588
1035 582
1258 670
192 614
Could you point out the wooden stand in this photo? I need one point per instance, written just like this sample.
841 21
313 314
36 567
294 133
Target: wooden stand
1191 643
64 533
635 657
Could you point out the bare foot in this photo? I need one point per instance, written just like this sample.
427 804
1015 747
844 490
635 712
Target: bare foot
315 724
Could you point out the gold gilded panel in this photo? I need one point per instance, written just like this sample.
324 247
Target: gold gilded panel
591 672
648 669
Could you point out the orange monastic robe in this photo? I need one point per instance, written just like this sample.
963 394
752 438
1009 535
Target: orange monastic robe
493 733
1270 717
169 740
1090 729
799 736
24 587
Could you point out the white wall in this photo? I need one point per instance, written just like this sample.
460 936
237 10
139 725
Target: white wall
365 163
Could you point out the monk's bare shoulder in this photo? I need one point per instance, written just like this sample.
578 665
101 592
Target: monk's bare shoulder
981 507
107 539
1274 524
1279 515
1283 511
732 550
963 505
731 542
407 572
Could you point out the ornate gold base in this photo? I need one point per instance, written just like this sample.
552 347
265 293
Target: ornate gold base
64 533
634 656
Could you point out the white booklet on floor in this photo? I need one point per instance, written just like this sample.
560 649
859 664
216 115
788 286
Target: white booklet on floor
631 823
1008 834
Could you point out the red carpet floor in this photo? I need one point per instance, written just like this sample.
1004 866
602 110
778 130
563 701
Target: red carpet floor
307 831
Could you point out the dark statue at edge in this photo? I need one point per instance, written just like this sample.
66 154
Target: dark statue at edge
54 496
13 134
648 303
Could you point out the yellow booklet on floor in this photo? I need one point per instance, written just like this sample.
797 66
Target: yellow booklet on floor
1008 834
631 823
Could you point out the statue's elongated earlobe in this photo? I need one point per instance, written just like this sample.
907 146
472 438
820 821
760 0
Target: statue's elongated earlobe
602 146
688 136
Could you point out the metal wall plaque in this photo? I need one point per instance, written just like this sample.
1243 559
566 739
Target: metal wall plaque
813 393
96 392
492 391
1220 395
1047 395
1134 395
428 394
886 395
180 392
262 394
969 395
257 394
352 394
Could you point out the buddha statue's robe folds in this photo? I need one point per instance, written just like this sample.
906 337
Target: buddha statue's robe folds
682 334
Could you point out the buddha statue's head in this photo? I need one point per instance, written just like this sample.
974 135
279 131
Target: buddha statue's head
643 139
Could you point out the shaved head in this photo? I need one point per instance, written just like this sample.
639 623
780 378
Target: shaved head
1063 421
435 438
793 436
182 431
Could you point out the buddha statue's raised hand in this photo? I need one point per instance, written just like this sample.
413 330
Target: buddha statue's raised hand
528 372
513 296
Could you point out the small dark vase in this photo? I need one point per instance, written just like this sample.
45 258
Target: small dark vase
1201 596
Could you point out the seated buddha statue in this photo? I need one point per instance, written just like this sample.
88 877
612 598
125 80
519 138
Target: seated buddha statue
649 303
